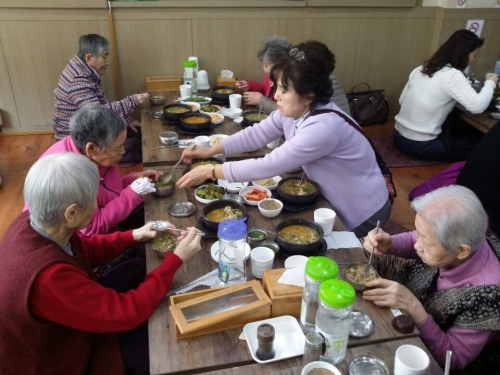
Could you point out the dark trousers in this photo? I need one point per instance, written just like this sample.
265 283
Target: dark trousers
134 344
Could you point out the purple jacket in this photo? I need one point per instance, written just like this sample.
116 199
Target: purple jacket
115 199
78 85
330 151
482 268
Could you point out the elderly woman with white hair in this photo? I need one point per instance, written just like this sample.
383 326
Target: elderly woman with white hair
61 318
450 290
80 83
99 133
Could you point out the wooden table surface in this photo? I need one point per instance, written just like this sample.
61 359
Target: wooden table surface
222 350
152 127
481 121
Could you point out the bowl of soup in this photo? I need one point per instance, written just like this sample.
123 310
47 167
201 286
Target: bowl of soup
174 112
221 93
163 189
292 192
355 275
196 122
299 236
163 244
253 117
217 211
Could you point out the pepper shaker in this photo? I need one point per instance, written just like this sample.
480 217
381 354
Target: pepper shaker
312 347
265 337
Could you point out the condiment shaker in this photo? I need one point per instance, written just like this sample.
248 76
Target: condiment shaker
312 347
265 337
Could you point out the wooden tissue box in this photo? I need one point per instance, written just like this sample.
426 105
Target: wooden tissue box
226 81
163 83
286 299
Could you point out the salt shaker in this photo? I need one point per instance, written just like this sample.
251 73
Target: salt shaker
312 347
265 337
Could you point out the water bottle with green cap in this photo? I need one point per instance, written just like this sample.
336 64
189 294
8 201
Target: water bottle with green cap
232 254
318 269
190 75
333 320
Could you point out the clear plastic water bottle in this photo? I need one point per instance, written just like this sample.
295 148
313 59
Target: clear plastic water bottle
333 320
232 253
190 75
318 269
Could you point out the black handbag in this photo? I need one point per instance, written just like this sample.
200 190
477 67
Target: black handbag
386 173
368 107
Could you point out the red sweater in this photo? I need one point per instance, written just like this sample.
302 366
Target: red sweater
265 88
61 317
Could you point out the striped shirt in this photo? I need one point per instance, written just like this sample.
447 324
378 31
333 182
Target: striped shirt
80 84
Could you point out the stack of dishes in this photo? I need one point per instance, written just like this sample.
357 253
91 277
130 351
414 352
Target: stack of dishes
203 80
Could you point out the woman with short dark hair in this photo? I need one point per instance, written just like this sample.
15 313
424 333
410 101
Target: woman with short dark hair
318 138
429 97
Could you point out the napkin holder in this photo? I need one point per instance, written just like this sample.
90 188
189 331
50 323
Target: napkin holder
226 81
163 83
286 299
255 305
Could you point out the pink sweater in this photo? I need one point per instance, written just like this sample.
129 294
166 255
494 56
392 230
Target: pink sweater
115 199
264 88
482 268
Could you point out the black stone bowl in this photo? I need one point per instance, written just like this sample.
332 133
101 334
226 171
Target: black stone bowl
297 200
201 127
246 122
174 117
213 226
299 249
222 98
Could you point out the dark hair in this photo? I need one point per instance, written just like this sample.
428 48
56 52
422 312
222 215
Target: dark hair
310 74
455 52
93 44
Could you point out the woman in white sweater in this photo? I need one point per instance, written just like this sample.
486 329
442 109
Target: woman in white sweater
430 95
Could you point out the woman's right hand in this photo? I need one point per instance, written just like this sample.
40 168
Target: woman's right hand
382 242
189 245
241 86
191 153
494 78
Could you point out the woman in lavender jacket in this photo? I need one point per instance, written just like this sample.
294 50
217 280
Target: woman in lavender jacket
330 151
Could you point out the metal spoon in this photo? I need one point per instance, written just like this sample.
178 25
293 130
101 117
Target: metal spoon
302 178
166 177
448 362
161 226
260 109
369 269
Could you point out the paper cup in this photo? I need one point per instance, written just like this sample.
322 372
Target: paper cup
235 101
325 218
185 90
262 258
410 360
202 141
274 144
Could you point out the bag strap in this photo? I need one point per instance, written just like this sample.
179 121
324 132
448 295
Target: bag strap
359 84
380 161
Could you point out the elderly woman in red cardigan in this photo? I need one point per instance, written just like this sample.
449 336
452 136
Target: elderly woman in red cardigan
57 316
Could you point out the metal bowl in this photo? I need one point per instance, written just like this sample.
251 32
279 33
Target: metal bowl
157 99
233 197
213 226
164 191
169 138
299 249
161 253
220 97
297 199
367 364
357 286
270 245
157 113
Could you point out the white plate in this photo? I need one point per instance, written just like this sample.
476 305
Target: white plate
202 200
207 100
274 187
296 261
209 113
248 189
229 253
194 106
232 187
288 338
219 119
217 136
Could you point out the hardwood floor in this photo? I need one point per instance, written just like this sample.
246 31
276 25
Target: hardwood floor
19 152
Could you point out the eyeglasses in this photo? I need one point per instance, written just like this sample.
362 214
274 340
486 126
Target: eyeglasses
299 55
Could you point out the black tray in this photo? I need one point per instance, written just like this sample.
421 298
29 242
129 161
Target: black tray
320 251
294 208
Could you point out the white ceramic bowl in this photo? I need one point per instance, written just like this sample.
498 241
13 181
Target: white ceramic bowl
195 107
216 138
248 189
270 213
320 364
234 112
202 200
209 113
217 119
273 187
205 101
232 187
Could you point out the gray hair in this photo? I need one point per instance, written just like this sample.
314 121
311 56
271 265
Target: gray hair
93 44
55 182
456 216
97 124
274 49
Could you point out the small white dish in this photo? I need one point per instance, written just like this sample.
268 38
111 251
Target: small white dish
202 200
228 254
232 187
288 338
216 138
272 187
320 364
233 112
248 189
217 118
209 113
205 101
296 261
194 106
270 213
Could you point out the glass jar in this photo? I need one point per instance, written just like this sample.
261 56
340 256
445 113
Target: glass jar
333 320
232 236
189 77
318 269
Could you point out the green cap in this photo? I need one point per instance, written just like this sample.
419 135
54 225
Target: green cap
321 268
337 293
189 64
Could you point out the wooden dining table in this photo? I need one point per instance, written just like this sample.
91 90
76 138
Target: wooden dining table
481 121
151 128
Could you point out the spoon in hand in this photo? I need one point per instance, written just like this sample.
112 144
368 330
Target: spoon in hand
161 226
166 177
369 270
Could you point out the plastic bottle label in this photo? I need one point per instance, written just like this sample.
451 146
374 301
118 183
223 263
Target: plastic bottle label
335 345
303 312
224 270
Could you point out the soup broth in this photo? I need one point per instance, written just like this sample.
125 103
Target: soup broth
299 234
293 187
224 213
195 120
224 91
256 116
177 110
165 242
